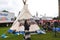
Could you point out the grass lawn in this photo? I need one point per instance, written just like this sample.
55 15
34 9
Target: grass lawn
48 36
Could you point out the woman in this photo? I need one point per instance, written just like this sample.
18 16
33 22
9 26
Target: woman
27 33
26 25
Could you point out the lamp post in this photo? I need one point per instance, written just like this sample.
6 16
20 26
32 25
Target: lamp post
59 7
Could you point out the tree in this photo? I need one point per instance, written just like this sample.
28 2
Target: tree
4 11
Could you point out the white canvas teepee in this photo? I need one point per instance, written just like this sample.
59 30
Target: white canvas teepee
25 14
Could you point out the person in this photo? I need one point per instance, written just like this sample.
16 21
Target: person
49 26
55 25
26 25
44 26
27 33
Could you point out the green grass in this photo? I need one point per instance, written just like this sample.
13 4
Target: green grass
48 36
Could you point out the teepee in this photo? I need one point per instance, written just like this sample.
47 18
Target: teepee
24 14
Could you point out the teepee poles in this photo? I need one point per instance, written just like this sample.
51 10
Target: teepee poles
24 1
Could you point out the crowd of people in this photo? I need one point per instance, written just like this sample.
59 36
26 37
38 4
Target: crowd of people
48 25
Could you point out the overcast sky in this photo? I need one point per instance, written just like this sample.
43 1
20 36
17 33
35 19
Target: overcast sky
48 7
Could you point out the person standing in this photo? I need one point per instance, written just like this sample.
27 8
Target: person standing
26 30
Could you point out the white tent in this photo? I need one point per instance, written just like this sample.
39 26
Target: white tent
24 14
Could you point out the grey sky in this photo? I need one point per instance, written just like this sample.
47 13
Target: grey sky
48 7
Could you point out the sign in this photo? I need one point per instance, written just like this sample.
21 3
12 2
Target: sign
1 14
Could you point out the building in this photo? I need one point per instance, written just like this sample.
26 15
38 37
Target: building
46 18
6 17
